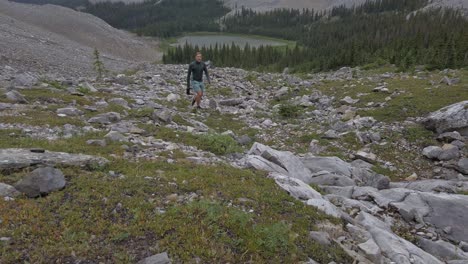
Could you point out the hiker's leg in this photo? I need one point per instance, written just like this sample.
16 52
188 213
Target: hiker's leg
199 97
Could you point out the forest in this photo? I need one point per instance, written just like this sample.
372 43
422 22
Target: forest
377 32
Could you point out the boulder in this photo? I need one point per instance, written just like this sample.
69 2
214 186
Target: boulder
105 119
8 190
443 250
331 164
392 246
366 156
163 115
462 165
41 181
327 178
367 177
325 206
115 136
448 137
291 165
296 188
16 97
450 118
371 250
14 159
449 152
432 152
24 80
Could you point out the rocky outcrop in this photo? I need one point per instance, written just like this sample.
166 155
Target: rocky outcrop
14 159
450 118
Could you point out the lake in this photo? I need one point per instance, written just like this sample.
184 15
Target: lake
213 39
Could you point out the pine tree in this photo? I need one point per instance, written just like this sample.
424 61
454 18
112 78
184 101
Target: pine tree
98 65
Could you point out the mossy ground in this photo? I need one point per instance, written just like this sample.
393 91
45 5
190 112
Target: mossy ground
213 213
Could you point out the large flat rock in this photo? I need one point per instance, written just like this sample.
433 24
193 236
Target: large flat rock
16 158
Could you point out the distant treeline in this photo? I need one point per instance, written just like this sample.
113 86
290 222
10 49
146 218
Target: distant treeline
382 30
261 58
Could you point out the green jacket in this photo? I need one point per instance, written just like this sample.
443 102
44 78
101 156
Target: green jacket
196 70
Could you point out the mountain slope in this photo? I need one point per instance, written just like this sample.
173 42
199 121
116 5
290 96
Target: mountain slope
54 36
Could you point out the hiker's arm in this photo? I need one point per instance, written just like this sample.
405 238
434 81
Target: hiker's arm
188 76
205 69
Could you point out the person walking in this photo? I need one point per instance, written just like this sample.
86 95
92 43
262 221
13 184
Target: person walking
195 71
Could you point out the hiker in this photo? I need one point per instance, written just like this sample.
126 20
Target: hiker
196 70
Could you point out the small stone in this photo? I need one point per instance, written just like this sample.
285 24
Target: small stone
107 118
16 97
173 97
267 123
115 136
447 229
432 152
8 191
314 147
69 111
412 177
119 101
320 237
348 101
331 134
365 156
172 197
244 140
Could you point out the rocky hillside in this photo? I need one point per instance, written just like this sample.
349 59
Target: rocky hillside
59 39
352 166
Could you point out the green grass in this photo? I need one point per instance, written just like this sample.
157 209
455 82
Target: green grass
215 143
418 99
221 122
122 220
406 160
40 118
77 144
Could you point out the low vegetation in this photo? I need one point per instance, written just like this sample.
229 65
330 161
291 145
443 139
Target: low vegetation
211 213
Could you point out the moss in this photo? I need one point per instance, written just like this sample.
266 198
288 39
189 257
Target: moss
96 216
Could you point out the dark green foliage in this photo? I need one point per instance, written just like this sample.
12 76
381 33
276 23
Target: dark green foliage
378 30
289 110
165 19
98 65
